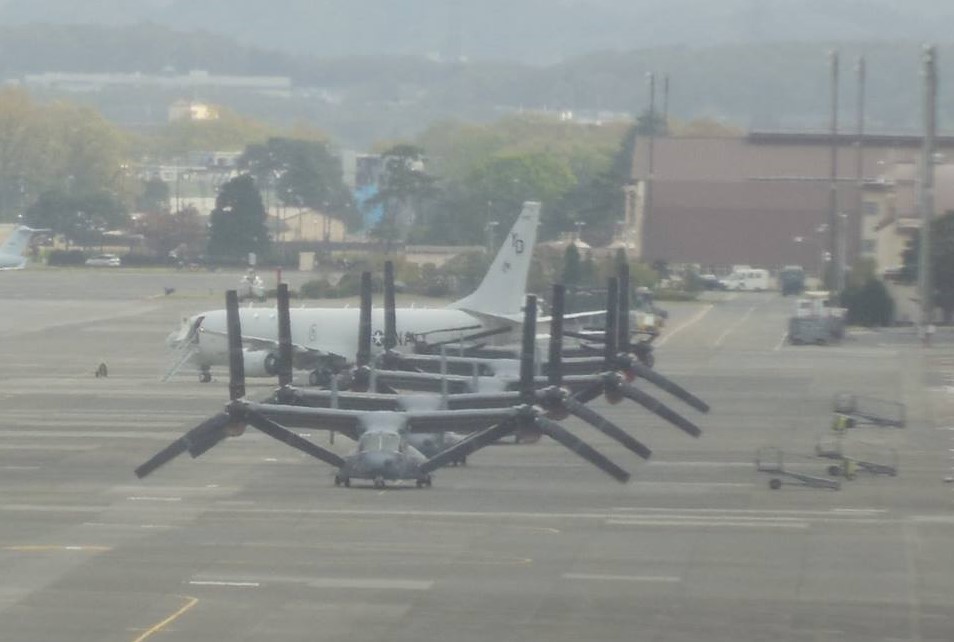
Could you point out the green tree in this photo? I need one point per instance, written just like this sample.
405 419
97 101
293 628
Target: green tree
301 173
237 224
56 147
80 218
153 196
172 232
572 266
404 189
942 262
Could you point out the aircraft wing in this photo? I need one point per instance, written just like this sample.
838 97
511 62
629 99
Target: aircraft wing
353 423
458 420
347 422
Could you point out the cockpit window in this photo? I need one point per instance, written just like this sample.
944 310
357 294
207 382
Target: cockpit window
369 442
379 441
390 443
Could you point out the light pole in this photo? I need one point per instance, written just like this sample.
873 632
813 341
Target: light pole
490 230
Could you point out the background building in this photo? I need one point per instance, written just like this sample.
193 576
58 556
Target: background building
763 199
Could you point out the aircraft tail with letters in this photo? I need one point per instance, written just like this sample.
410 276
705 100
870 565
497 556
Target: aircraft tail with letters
11 252
503 289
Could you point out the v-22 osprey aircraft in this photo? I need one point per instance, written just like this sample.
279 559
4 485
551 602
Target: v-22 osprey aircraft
324 338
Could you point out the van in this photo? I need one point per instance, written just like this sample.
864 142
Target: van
747 279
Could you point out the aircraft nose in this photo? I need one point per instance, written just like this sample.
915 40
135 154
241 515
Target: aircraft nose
379 464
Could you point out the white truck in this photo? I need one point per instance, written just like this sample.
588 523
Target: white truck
747 279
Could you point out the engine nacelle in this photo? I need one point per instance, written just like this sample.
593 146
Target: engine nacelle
260 363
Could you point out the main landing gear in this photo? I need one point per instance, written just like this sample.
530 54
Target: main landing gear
424 481
342 481
205 374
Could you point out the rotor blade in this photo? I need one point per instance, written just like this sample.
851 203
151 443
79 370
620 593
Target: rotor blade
390 308
607 427
236 358
528 347
652 404
199 435
162 457
364 322
469 445
294 440
622 341
612 319
555 358
668 385
589 394
558 433
284 336
207 434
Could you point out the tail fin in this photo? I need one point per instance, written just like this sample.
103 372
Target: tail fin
504 286
12 249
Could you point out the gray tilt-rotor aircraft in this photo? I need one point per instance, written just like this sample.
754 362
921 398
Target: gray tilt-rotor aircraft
383 453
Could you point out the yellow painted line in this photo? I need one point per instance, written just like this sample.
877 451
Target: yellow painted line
46 549
190 602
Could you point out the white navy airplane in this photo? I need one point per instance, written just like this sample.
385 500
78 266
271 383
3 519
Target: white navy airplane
324 339
11 252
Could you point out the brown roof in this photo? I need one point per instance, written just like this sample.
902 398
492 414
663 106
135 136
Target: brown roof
733 159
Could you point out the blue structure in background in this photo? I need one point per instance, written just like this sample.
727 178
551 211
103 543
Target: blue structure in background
371 215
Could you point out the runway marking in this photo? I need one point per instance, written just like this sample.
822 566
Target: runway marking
621 578
781 342
732 328
706 523
695 319
371 583
39 548
752 511
190 602
135 526
144 498
224 583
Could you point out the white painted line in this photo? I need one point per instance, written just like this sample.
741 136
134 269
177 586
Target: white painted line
748 511
781 342
700 464
695 319
142 498
621 578
732 328
371 584
223 583
706 523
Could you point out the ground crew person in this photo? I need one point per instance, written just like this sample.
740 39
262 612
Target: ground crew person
840 424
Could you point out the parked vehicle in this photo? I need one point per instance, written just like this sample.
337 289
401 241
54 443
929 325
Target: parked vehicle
104 260
792 280
747 279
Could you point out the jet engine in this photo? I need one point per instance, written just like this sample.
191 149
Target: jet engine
260 363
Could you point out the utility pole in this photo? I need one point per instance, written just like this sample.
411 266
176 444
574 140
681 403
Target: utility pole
860 144
651 77
665 103
837 276
926 195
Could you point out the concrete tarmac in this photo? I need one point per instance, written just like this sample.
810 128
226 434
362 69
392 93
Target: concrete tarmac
253 541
